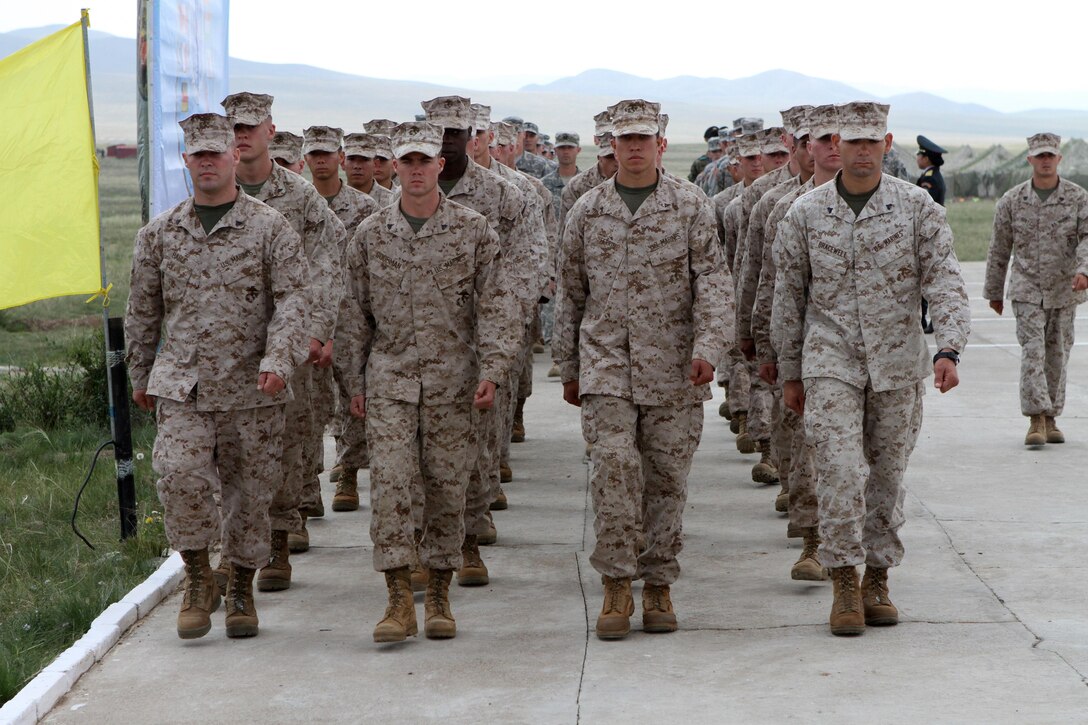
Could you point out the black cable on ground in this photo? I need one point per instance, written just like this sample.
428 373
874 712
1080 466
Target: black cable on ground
75 509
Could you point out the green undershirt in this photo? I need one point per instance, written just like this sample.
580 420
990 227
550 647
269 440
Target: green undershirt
856 202
447 185
252 189
415 222
210 215
633 197
1043 194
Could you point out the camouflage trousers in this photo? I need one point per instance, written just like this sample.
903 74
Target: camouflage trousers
522 371
483 482
547 320
641 457
760 404
350 434
235 454
440 442
1045 337
861 441
298 429
326 401
801 474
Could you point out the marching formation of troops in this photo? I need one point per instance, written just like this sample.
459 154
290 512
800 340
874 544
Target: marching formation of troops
400 308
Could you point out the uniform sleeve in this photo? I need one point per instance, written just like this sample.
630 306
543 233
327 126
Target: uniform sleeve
713 312
942 282
145 310
572 287
325 236
790 295
997 259
750 263
498 309
761 308
286 338
355 326
1082 236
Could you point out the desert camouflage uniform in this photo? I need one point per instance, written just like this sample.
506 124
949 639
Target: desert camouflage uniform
732 369
384 197
846 313
225 306
523 244
639 297
427 316
351 207
575 188
715 178
323 241
1048 242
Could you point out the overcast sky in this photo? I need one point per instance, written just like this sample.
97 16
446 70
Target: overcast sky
966 50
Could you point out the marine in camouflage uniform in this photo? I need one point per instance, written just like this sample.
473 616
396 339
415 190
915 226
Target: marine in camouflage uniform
877 250
286 150
361 151
644 302
527 160
1042 224
428 325
216 322
322 237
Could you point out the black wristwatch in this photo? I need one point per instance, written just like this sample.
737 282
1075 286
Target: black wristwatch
948 355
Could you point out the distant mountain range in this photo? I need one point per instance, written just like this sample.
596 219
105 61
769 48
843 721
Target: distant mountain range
307 95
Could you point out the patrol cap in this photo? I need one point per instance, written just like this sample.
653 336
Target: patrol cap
322 138
516 120
544 139
383 147
792 119
748 126
566 138
635 116
380 126
604 145
662 123
361 144
207 132
248 109
749 145
506 134
602 123
863 120
482 116
770 141
421 137
287 146
530 127
823 121
927 147
419 117
714 144
1040 143
450 112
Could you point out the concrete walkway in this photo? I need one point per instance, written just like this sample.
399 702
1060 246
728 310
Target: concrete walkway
993 597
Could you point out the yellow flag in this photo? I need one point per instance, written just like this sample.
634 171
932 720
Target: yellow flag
49 231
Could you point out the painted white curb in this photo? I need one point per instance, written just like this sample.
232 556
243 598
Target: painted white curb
34 701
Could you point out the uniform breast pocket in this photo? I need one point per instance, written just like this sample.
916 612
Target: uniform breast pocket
455 280
245 284
175 279
670 263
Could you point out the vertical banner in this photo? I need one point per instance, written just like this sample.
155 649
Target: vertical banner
187 73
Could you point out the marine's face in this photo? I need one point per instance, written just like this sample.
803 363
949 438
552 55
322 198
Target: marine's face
568 155
608 166
418 173
1044 166
803 156
751 167
530 144
383 170
324 165
359 170
825 154
775 160
636 152
252 141
862 158
455 143
212 172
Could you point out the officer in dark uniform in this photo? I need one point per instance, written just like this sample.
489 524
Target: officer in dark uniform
930 158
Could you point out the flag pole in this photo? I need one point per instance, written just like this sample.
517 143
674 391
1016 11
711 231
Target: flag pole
116 374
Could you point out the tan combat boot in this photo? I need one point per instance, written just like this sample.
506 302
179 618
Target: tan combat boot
317 510
657 614
879 610
517 431
614 621
734 422
764 471
201 595
553 371
506 474
418 573
538 347
241 612
346 497
300 542
501 503
221 572
1053 435
1036 431
334 473
473 571
491 535
808 568
846 611
399 622
439 623
745 444
277 575
782 500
